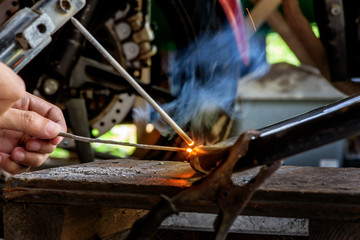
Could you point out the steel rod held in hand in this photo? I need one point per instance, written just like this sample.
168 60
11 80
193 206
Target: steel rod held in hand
132 81
96 140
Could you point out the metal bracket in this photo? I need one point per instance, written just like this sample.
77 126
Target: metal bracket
29 31
36 33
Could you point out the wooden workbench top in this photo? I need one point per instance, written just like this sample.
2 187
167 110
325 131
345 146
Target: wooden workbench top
330 193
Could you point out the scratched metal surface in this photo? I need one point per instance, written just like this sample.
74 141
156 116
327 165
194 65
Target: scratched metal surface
329 193
113 175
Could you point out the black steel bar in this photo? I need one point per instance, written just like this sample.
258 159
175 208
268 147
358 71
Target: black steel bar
79 123
304 132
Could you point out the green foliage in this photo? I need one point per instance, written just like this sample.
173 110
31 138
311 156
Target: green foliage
60 153
278 51
121 133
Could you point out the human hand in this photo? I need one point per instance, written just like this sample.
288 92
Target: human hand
28 129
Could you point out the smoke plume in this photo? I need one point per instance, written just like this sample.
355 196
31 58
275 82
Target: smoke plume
204 78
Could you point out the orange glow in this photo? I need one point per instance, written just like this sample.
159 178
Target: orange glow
198 149
191 144
189 150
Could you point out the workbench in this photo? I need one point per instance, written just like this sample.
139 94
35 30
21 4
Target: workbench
100 200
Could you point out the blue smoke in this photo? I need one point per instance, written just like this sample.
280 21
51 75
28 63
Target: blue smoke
204 79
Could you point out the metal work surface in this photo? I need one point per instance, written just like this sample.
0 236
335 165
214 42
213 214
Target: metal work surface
324 193
88 200
242 224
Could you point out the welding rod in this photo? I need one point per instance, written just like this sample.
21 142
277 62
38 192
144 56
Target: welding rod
96 140
132 81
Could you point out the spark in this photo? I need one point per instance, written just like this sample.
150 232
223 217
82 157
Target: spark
189 150
251 18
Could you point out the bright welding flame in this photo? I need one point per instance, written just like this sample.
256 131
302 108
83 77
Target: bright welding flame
189 150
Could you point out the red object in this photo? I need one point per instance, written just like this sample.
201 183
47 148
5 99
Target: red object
234 14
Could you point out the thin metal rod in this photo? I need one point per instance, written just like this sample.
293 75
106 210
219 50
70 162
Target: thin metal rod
96 140
132 81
